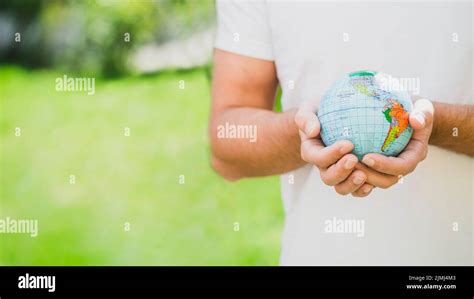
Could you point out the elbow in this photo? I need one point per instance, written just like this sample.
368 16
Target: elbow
229 171
226 171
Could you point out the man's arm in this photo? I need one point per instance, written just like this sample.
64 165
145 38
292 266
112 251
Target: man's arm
243 93
453 128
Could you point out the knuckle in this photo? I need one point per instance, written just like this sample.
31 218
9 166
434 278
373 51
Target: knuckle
409 169
317 159
326 179
389 182
340 190
359 194
339 170
424 154
393 181
333 175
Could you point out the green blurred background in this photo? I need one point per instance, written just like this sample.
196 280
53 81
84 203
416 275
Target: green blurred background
128 204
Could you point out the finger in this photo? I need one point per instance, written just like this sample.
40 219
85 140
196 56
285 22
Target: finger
310 148
422 114
307 121
377 179
339 171
352 183
405 163
326 156
363 191
400 165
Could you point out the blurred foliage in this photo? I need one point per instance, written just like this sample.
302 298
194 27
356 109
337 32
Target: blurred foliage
90 37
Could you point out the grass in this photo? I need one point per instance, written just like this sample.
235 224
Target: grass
121 181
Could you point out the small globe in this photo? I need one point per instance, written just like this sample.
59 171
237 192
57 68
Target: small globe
364 108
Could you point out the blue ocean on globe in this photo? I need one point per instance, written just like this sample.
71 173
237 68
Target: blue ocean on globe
363 108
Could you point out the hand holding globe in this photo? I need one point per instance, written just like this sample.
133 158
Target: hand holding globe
360 119
363 109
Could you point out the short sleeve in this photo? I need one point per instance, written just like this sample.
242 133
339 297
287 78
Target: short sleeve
243 28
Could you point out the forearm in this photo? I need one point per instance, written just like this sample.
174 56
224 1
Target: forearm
453 128
274 150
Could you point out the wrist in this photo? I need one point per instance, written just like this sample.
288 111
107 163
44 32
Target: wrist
293 138
436 129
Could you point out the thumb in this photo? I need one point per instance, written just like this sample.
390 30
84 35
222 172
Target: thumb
422 114
307 121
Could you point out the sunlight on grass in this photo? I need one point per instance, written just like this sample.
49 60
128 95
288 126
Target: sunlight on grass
120 179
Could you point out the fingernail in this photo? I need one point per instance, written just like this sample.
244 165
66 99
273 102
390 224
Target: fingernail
358 180
420 118
298 116
349 164
367 189
368 161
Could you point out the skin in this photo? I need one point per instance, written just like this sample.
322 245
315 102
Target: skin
243 93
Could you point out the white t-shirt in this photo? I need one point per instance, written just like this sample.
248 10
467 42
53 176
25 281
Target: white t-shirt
426 219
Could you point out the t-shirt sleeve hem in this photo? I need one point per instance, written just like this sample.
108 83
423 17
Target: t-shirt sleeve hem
249 49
